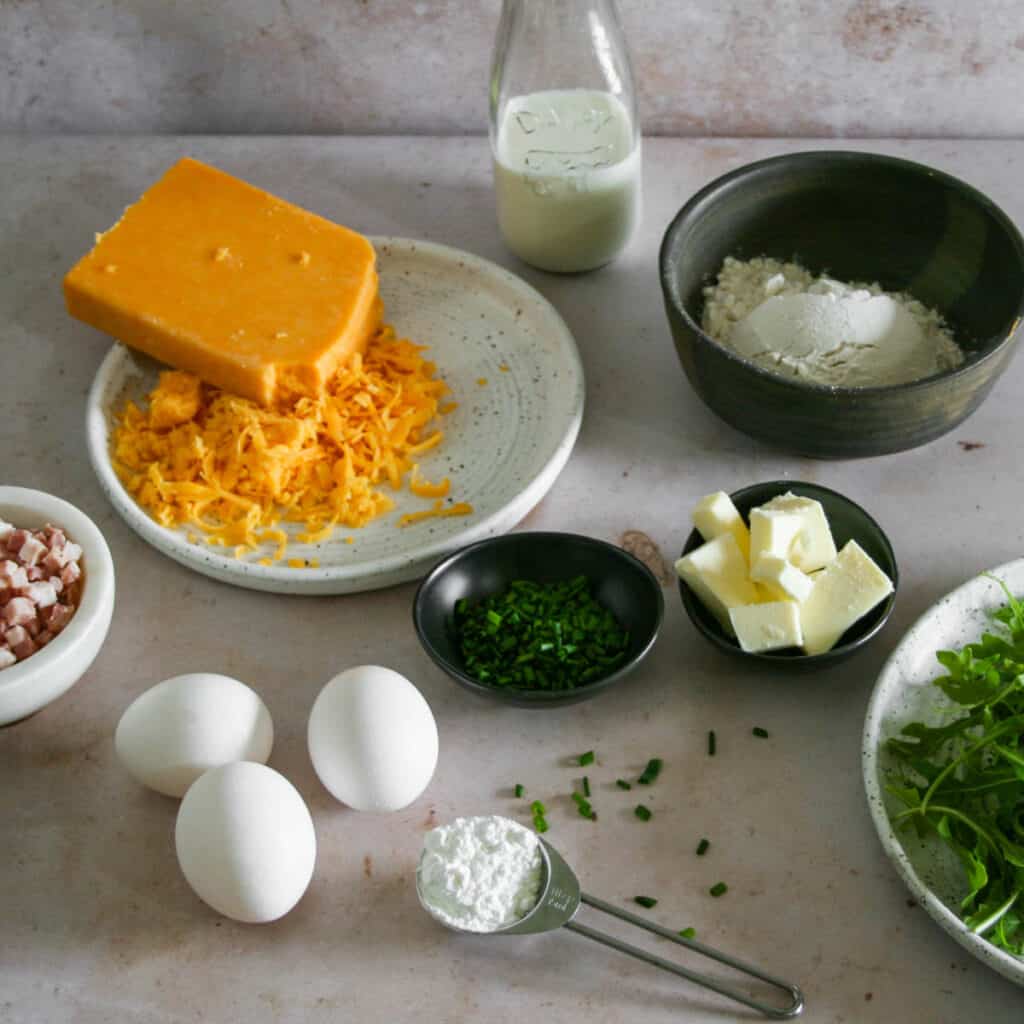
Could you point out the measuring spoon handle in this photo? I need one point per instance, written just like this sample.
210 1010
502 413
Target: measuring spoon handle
793 1009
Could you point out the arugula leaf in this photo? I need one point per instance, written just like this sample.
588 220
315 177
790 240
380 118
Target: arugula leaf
963 781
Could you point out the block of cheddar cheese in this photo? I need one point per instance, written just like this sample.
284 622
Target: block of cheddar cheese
211 275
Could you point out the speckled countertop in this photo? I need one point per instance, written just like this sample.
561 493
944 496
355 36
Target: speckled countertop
97 923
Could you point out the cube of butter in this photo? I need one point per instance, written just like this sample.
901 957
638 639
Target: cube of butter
717 573
813 547
778 576
767 627
772 532
845 591
715 514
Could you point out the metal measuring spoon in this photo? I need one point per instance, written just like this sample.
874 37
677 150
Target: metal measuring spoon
561 898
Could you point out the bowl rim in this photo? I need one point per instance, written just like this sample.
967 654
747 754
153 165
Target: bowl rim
778 658
670 288
97 591
538 697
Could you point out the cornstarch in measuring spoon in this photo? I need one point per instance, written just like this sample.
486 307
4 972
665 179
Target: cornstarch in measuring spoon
480 874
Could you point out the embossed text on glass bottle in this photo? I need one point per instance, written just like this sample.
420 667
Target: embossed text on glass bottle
564 133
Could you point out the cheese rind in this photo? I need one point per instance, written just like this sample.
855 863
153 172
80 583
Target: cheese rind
717 574
715 514
213 276
844 592
778 576
813 547
773 626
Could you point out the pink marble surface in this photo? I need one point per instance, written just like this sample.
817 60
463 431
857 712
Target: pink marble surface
704 67
97 922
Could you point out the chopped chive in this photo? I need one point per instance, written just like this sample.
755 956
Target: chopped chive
519 791
645 901
584 759
651 772
583 806
643 813
758 731
540 823
586 786
718 889
538 808
702 847
540 636
711 743
622 784
688 933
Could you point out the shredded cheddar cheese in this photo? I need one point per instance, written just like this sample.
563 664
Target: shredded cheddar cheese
235 470
438 511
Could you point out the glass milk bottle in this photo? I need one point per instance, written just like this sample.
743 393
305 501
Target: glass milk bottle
564 133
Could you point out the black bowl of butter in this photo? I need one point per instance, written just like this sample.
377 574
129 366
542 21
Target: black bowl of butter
853 531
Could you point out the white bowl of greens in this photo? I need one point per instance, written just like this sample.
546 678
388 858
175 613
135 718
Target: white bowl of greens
943 760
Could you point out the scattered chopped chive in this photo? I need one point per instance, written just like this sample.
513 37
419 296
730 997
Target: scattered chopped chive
584 759
540 823
586 786
711 743
718 889
758 731
538 808
645 901
688 933
583 805
702 847
519 791
651 772
622 784
643 813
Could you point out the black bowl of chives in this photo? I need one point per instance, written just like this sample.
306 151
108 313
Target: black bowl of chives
538 619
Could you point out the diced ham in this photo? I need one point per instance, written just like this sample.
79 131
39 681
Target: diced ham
56 617
16 538
36 568
13 575
20 642
31 551
42 595
54 537
19 611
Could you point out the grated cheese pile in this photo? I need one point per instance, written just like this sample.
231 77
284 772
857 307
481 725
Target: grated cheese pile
200 457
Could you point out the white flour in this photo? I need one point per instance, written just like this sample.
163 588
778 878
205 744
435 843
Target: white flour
782 318
480 874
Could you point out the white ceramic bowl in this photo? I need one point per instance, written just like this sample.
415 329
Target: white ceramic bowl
904 693
35 682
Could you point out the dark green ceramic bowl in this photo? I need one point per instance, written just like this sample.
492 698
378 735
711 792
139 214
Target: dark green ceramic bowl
848 521
621 583
858 217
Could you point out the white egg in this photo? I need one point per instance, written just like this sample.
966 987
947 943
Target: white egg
373 739
245 842
182 727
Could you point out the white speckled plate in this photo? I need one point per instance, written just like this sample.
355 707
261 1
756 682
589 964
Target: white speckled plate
504 445
904 694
